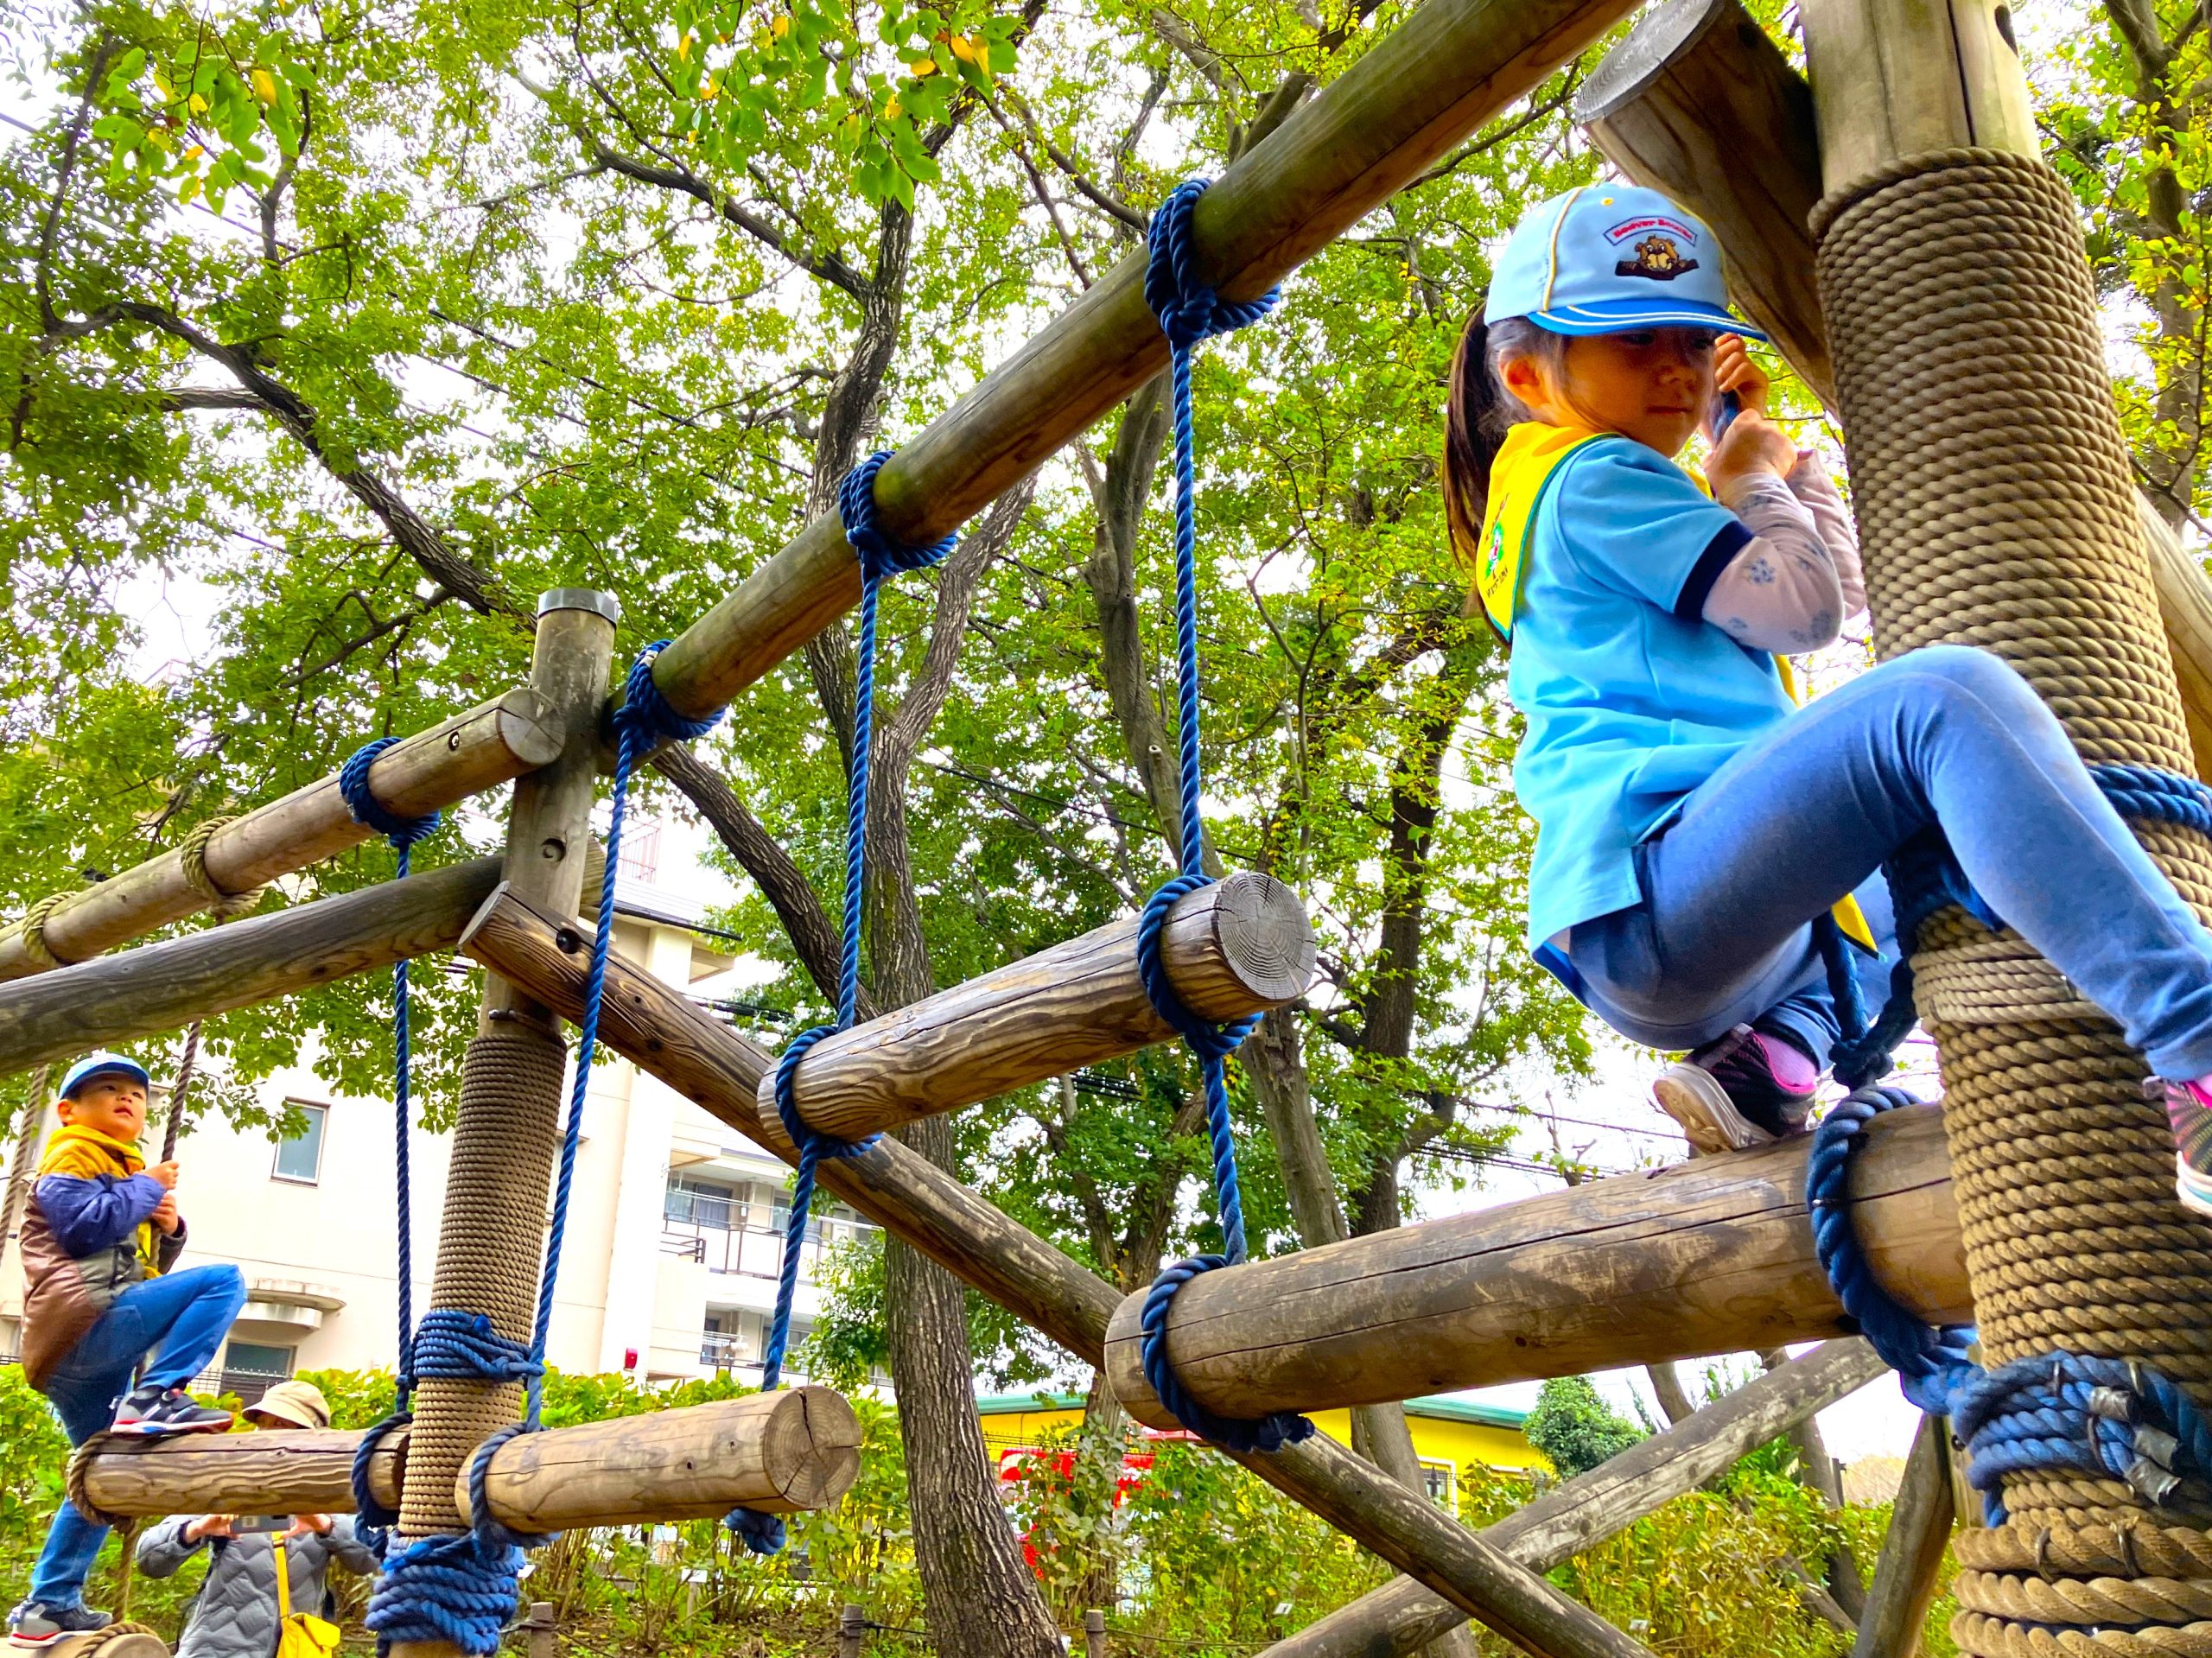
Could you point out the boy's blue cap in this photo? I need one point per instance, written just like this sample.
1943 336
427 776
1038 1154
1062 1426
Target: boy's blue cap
103 1064
1608 258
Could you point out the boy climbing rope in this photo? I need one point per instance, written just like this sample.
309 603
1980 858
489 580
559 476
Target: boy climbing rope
100 1236
1694 824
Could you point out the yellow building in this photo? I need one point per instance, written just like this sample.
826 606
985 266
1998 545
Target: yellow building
1448 1433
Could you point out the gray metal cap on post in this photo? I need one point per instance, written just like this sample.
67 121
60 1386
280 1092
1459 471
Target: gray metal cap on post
590 598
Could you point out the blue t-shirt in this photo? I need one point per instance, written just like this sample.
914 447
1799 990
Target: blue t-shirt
1631 699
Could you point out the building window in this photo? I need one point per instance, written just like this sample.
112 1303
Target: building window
250 1370
1436 1480
299 1157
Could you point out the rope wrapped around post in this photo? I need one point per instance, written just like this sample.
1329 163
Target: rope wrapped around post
2105 1417
463 1589
882 556
1190 313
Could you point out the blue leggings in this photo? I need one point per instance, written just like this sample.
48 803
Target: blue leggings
1946 736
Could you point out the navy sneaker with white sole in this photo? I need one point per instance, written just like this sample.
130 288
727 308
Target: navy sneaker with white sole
34 1625
153 1411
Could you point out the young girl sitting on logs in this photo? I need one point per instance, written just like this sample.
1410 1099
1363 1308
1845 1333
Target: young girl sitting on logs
1692 821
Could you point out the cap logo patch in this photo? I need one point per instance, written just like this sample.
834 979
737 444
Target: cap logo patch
1657 257
1642 223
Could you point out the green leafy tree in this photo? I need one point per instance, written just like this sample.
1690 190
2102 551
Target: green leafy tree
1576 1428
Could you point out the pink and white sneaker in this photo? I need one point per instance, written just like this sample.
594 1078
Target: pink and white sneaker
1748 1089
2189 1112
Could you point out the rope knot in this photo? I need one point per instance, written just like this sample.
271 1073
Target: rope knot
1208 1041
762 1534
454 1590
881 554
646 717
1188 308
1269 1434
371 813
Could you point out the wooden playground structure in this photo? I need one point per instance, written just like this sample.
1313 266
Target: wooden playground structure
2001 514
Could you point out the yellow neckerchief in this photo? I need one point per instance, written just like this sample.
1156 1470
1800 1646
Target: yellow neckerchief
82 1153
1521 471
1533 454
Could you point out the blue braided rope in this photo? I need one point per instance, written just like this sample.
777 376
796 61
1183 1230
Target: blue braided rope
371 813
882 556
451 1345
464 1588
402 832
2099 1416
372 1521
1190 311
1924 877
449 1589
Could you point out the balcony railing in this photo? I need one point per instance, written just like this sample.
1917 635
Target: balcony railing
743 1252
685 1246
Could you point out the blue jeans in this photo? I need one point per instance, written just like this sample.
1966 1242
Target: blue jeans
187 1313
1947 737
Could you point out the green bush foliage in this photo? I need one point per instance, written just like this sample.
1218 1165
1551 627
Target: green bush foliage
1198 1557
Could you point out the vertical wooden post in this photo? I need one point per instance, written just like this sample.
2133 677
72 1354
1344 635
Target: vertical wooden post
1912 1553
492 1237
1997 509
852 1625
540 1624
1094 1634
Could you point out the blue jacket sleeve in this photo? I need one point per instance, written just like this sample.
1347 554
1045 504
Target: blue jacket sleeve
87 1216
1633 520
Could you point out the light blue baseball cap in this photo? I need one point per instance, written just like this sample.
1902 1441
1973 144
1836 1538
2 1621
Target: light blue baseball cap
1608 258
102 1064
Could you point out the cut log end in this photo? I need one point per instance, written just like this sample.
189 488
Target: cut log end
1660 35
1265 938
811 1446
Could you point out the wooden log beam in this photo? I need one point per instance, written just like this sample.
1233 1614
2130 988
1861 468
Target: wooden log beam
790 1451
274 1470
1699 102
1714 1255
1912 1552
653 1026
113 1000
1239 946
1403 1616
1449 66
473 752
784 1453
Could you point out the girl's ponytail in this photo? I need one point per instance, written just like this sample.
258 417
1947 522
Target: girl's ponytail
1479 413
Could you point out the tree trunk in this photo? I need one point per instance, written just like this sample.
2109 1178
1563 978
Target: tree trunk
1667 1387
29 1120
982 1601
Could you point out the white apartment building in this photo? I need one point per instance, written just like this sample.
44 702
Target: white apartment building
675 1221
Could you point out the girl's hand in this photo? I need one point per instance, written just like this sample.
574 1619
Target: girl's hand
1734 371
1752 444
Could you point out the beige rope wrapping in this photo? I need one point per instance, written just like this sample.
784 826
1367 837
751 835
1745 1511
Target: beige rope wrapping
491 1244
73 1482
32 930
192 855
1994 503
